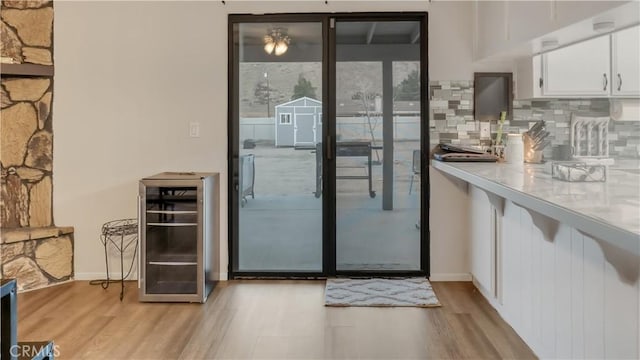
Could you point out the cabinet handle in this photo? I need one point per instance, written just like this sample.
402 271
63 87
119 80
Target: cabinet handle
540 82
619 82
606 82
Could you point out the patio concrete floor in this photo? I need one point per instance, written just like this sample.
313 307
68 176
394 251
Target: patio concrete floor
281 229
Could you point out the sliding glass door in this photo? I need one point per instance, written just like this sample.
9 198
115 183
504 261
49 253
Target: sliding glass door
326 167
278 122
378 145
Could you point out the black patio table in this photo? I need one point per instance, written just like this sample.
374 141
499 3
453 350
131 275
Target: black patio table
347 149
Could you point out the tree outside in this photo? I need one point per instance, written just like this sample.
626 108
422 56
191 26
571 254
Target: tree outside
266 95
367 97
409 88
303 88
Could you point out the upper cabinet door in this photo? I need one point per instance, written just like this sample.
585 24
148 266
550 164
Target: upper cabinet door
626 62
581 69
529 78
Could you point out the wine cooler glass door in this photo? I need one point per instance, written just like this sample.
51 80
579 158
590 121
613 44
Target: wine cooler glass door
171 232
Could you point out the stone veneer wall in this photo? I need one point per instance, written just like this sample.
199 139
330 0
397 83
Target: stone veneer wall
32 249
452 119
27 31
26 153
37 257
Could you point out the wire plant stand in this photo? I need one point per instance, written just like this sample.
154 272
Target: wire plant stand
121 235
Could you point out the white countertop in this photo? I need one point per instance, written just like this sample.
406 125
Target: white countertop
607 210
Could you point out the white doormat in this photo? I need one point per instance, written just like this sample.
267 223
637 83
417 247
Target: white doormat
380 292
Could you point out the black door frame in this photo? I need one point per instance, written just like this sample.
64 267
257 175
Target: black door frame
329 133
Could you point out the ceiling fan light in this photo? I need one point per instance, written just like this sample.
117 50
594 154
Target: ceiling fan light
281 48
276 42
268 47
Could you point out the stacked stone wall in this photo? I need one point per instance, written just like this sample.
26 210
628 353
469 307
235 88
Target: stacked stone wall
32 249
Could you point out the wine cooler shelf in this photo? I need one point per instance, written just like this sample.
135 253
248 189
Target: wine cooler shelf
171 258
179 241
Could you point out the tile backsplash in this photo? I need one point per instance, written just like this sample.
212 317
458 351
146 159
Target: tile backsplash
452 120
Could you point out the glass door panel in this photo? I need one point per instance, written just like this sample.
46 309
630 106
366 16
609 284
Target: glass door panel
171 240
279 108
378 143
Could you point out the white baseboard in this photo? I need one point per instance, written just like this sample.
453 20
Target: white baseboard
450 277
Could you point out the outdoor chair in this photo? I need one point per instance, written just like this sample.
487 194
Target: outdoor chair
415 168
247 178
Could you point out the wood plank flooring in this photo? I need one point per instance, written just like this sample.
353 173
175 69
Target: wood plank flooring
260 319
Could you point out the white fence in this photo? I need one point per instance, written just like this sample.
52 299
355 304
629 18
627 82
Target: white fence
404 128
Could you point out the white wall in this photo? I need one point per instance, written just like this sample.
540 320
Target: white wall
130 76
451 40
449 219
129 79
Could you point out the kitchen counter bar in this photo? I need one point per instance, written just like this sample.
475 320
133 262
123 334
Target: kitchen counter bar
607 210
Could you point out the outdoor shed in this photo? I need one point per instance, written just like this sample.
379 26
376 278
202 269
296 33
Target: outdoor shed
299 123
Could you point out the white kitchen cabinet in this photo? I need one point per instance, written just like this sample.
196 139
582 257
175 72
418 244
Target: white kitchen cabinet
564 293
568 294
626 62
529 78
606 66
483 242
580 69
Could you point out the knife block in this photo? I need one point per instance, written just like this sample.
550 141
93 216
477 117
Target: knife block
530 155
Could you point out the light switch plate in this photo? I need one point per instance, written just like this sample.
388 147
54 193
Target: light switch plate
485 130
194 129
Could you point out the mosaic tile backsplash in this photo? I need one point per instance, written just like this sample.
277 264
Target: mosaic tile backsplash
452 121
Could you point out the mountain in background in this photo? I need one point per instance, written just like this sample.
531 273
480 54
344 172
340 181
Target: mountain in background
353 78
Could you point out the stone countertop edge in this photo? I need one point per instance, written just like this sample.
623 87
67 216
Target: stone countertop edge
625 239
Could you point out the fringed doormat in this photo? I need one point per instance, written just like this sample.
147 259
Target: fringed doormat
380 292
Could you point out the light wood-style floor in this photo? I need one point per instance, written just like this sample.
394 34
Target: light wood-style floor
253 319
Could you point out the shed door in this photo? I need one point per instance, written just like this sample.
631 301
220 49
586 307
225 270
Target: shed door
304 130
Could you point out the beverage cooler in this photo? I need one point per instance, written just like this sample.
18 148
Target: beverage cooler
178 224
